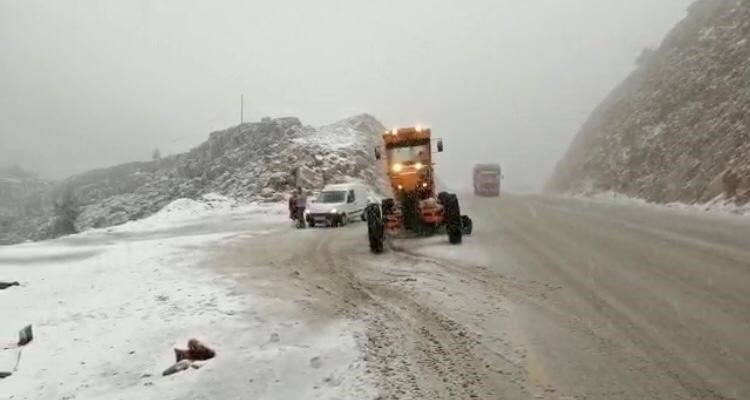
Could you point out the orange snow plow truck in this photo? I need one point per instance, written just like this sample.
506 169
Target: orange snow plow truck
415 207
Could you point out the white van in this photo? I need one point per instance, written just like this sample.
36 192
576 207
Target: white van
337 205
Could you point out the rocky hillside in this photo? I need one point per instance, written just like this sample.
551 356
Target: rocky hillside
678 129
23 197
261 161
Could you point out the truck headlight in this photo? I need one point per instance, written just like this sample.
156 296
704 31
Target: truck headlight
418 165
334 211
397 167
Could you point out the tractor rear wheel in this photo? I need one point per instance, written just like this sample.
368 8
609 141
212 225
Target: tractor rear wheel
375 228
442 196
467 225
452 214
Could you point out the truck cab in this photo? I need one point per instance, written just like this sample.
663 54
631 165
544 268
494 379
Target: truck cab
487 178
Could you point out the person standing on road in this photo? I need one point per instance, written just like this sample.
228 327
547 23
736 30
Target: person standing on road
293 206
300 205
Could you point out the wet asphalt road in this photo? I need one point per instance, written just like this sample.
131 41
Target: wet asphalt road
550 298
620 301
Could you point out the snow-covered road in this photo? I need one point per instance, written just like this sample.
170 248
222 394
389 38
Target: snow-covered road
108 306
550 298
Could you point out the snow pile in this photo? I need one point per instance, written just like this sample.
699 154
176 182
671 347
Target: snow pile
342 152
209 211
352 133
676 130
719 205
182 211
108 307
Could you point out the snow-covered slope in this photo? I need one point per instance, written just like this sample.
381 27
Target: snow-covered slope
251 162
678 129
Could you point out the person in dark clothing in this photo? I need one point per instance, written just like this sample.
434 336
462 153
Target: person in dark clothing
293 206
300 205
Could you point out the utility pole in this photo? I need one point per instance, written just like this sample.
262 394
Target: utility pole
242 109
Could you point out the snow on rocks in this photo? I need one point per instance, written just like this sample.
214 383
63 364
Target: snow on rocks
251 162
675 131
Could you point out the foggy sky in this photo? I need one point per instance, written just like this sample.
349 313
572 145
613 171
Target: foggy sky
86 84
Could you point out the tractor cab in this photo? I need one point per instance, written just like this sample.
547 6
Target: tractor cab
408 154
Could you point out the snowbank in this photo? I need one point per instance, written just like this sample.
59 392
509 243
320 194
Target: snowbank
209 208
719 205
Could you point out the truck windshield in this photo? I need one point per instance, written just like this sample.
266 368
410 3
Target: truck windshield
488 176
409 155
332 197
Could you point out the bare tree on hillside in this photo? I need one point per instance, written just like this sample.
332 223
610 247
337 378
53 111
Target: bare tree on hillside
66 212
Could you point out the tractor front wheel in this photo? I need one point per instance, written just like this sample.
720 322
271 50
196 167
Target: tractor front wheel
375 228
452 214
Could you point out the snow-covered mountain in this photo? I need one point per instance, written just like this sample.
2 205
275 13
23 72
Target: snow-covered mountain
261 161
678 129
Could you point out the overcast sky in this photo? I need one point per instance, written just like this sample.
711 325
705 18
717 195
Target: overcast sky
85 84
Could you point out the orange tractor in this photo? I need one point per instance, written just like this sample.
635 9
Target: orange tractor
415 208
